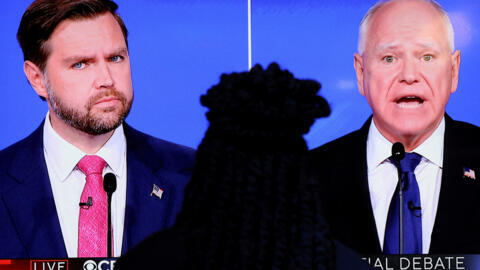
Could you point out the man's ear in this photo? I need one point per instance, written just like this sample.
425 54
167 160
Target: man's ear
36 78
455 70
358 65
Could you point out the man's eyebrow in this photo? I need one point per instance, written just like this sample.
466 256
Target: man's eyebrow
385 47
393 46
121 51
77 58
428 45
86 58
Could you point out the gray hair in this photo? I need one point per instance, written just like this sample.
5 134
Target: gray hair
364 24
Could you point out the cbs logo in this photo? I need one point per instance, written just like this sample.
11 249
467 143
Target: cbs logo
102 265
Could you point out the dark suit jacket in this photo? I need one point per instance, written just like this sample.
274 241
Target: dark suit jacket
341 166
29 226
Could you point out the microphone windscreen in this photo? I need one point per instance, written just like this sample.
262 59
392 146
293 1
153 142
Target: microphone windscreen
398 151
109 183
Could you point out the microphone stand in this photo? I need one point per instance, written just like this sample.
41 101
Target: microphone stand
109 185
400 200
109 231
398 153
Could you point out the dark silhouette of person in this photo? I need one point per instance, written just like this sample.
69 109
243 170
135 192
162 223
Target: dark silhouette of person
249 204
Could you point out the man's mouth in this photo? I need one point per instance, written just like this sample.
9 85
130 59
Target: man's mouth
107 99
409 102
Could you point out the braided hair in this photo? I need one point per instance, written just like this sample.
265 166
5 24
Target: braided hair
248 189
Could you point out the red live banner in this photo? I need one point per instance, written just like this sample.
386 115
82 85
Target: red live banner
58 264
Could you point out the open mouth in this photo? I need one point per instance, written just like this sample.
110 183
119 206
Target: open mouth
410 101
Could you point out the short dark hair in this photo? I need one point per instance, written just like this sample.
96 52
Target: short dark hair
43 16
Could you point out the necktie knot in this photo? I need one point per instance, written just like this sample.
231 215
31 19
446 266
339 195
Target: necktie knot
91 164
410 162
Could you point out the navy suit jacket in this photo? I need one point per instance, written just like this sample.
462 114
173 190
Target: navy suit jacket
29 226
341 168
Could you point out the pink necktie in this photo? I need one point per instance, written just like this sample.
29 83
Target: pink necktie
93 220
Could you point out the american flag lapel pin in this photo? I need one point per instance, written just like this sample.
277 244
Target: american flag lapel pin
157 191
469 173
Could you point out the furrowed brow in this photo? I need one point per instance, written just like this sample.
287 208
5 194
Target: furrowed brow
77 58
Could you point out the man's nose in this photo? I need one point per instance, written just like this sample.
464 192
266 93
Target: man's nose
409 73
104 77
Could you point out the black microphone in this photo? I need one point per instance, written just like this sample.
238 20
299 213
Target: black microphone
109 185
86 205
413 207
398 153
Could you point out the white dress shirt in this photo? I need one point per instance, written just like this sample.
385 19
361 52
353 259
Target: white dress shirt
383 178
67 183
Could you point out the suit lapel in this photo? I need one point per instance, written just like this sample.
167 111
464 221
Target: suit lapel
142 175
456 222
30 201
366 230
446 196
341 167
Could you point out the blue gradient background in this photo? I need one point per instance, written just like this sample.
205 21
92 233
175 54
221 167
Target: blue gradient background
179 48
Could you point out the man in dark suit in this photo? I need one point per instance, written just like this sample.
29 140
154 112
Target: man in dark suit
406 68
52 202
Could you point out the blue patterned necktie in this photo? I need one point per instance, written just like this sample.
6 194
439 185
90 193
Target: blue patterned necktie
412 213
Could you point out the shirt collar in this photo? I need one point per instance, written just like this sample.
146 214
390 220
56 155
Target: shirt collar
432 147
67 156
379 148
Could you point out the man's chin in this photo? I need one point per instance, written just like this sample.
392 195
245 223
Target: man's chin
100 128
94 125
412 132
104 124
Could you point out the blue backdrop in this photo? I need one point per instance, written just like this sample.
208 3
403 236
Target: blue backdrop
179 48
